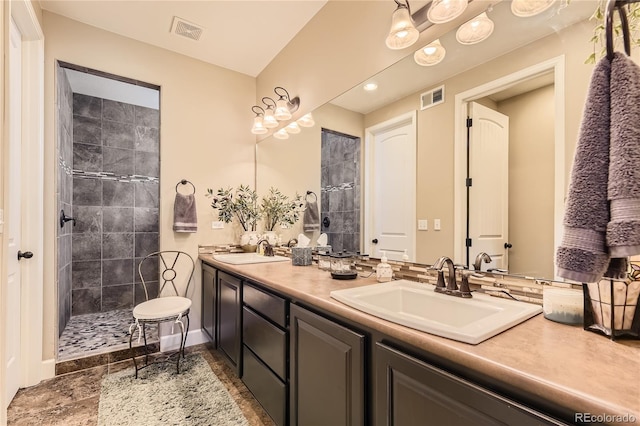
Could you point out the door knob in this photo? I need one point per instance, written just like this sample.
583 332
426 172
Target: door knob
326 222
507 245
374 241
26 255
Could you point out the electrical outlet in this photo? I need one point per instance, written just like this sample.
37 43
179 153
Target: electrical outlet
436 224
423 225
284 226
217 224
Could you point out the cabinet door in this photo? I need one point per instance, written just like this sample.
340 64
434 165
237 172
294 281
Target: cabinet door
411 392
229 318
209 302
327 376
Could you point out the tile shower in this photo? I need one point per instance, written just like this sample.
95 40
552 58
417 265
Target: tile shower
108 180
340 190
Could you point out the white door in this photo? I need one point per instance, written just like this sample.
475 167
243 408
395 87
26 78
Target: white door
12 321
489 191
390 217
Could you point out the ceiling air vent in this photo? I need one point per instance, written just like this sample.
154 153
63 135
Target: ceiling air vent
432 97
186 29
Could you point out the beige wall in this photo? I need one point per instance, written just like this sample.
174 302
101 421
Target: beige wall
435 156
204 133
531 143
293 165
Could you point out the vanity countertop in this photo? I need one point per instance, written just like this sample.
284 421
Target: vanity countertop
580 370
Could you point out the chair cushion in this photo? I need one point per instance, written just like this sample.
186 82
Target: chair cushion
162 307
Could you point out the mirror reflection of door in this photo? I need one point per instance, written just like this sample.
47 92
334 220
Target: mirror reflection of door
531 112
340 190
390 183
488 185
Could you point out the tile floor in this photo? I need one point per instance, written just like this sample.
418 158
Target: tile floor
72 399
99 333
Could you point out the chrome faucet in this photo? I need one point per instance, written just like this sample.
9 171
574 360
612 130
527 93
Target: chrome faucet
477 265
268 248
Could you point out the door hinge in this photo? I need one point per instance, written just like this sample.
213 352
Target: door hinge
469 122
469 182
468 242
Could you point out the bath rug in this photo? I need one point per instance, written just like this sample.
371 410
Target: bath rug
160 396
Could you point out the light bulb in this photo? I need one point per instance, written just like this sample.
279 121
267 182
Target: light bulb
269 121
306 120
475 30
293 128
282 110
431 54
281 134
442 11
527 8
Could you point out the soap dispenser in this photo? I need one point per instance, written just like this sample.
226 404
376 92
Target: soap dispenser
384 272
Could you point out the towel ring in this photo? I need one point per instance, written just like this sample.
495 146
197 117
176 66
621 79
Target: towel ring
184 182
315 197
622 12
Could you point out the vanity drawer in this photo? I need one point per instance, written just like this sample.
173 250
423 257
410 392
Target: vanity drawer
266 340
272 307
265 386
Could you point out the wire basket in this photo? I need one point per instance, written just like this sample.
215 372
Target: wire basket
611 308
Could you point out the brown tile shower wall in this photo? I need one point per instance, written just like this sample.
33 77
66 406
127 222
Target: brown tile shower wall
64 196
115 199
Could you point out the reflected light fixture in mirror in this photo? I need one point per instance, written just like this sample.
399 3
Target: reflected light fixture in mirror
306 120
526 8
442 11
293 128
475 30
433 53
269 120
281 134
258 127
403 32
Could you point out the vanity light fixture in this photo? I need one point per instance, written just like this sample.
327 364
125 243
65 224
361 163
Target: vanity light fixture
403 32
281 134
269 120
527 8
442 11
306 120
433 53
285 105
475 30
293 128
369 87
258 127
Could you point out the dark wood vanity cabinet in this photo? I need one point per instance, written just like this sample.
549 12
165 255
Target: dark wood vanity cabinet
411 392
229 331
209 300
265 350
327 371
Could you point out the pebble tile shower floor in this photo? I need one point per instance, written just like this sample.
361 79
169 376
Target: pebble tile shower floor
94 334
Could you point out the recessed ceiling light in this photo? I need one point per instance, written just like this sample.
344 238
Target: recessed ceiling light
370 86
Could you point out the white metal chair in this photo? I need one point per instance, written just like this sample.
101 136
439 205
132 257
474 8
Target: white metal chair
163 267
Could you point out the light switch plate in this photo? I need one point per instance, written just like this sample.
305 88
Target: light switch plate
436 224
217 224
423 224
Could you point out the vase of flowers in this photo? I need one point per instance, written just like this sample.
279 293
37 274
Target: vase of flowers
242 205
278 209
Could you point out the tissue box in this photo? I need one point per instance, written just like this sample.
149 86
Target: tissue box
301 256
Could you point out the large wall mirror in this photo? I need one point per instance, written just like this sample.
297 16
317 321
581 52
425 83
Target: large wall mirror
390 170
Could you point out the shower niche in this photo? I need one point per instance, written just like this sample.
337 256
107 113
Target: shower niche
108 145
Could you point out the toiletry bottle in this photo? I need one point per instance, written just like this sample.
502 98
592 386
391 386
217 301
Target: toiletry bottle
405 256
384 272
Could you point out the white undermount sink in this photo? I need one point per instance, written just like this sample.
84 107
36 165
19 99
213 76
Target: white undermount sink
247 258
416 305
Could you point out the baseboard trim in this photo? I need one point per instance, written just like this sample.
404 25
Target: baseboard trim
48 369
172 341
